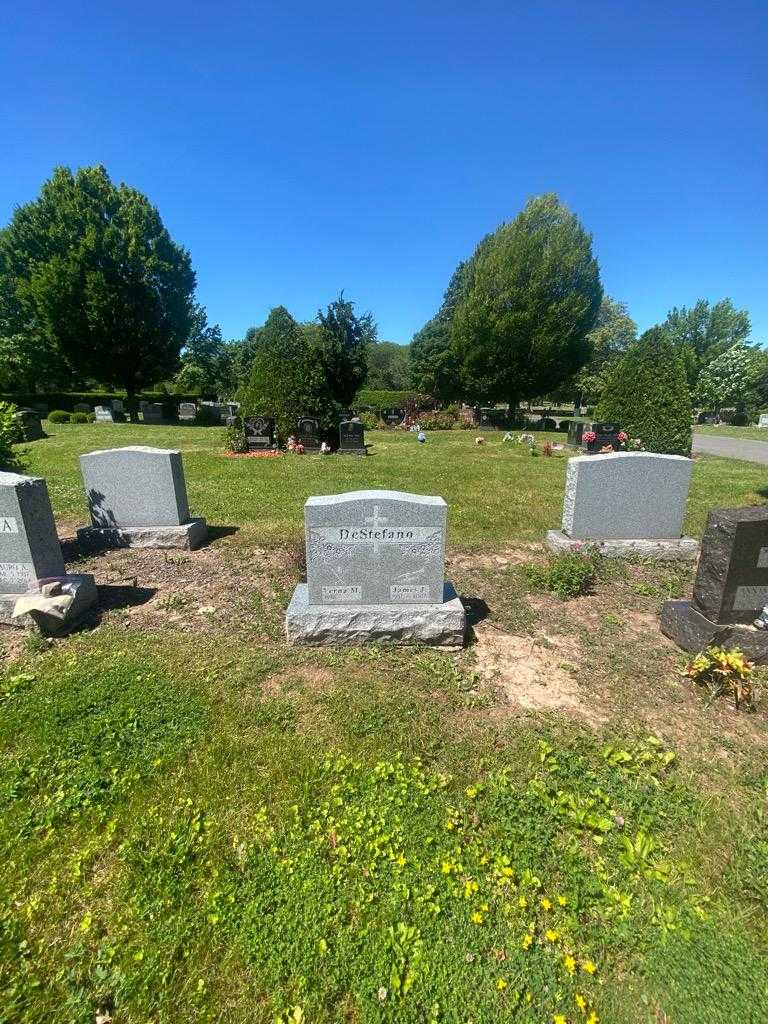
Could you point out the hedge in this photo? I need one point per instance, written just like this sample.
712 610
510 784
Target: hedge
67 400
378 400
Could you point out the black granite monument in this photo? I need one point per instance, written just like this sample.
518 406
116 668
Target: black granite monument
352 438
309 433
731 587
259 433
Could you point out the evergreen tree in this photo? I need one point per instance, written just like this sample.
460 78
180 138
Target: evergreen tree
647 395
534 294
342 345
435 364
287 380
90 268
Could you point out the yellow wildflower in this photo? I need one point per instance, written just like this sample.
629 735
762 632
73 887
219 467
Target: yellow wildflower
551 935
593 1018
589 967
501 984
477 917
559 1019
570 963
447 867
529 997
562 900
527 941
471 792
581 1002
547 904
522 902
470 887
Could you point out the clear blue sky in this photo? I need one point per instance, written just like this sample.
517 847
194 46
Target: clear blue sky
300 148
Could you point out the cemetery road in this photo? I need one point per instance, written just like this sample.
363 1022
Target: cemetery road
731 447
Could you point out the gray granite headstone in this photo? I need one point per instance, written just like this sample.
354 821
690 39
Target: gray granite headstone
626 496
29 546
763 419
135 486
104 414
376 571
117 406
375 547
30 424
187 411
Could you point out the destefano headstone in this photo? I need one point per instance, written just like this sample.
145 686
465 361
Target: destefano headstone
30 552
626 503
376 571
137 497
730 589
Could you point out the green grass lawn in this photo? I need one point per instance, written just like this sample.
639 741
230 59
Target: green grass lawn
201 823
723 430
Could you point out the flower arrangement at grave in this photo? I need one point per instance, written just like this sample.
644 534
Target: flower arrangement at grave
724 673
589 437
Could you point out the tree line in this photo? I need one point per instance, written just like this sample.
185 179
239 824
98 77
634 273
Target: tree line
94 291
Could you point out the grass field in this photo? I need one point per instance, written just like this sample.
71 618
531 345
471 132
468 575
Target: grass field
203 824
723 430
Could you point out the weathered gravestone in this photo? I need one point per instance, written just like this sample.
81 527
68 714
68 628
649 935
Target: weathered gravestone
104 414
352 438
575 430
763 420
31 562
626 503
731 586
117 406
376 571
153 412
187 411
309 433
259 433
29 424
138 498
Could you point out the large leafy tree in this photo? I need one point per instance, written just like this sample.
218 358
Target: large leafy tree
521 327
729 380
90 268
435 364
388 366
342 344
206 361
287 380
704 332
647 394
613 333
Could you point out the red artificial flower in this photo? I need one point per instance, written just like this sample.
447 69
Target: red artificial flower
622 436
589 436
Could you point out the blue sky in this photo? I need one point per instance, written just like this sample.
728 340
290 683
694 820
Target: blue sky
297 149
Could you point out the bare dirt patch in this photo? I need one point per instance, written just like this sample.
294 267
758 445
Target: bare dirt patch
307 678
533 672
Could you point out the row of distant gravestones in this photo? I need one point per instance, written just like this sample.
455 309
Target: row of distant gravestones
376 559
260 434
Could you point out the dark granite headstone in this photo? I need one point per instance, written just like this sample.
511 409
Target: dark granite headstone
259 432
575 430
153 412
29 422
607 434
309 433
730 589
351 438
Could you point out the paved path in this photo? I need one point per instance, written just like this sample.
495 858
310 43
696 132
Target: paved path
731 447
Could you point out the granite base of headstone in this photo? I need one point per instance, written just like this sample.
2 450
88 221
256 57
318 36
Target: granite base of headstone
730 589
376 573
137 498
352 438
626 504
32 568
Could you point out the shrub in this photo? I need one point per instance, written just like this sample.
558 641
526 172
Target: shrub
437 421
60 416
234 439
9 434
371 421
647 394
82 417
570 574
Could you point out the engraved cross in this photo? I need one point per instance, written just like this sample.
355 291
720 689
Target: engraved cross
376 520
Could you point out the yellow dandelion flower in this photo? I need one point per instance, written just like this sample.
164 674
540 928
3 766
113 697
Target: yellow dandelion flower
446 867
551 935
527 941
589 967
501 984
570 963
507 872
593 1018
471 792
562 900
559 1019
580 1001
529 997
547 904
477 917
522 902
